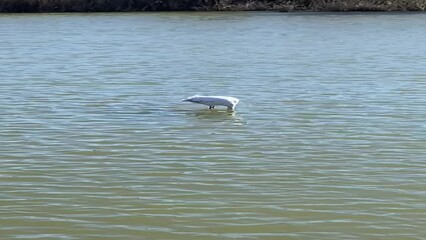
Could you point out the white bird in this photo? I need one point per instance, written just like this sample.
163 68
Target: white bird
213 101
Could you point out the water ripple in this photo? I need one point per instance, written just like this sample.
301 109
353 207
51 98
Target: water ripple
326 143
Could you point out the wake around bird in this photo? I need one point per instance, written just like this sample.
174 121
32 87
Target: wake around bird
213 101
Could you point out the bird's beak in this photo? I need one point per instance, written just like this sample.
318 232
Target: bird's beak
185 100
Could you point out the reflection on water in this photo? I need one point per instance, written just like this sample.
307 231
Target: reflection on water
215 114
327 141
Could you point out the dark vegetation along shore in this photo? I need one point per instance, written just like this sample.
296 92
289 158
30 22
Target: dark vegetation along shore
209 5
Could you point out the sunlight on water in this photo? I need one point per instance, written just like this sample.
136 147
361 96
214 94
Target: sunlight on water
327 142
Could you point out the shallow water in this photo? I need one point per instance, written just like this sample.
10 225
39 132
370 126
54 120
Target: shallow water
328 141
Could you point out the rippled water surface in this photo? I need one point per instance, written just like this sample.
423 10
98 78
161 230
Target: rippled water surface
328 141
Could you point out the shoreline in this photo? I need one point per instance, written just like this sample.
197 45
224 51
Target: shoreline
46 6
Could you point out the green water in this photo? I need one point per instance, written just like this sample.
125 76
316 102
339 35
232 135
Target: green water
328 141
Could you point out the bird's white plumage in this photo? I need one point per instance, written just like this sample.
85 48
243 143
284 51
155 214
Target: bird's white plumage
212 101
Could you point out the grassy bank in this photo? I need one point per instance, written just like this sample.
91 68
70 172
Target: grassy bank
207 5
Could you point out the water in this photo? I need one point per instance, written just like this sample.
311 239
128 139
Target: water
328 141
